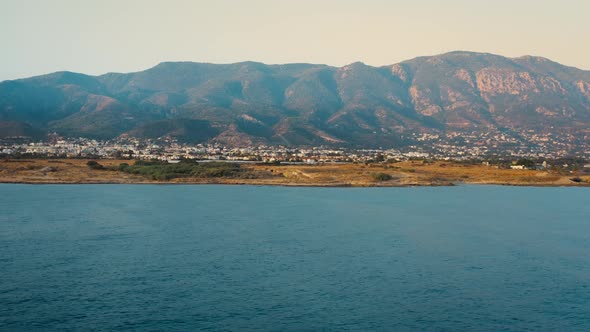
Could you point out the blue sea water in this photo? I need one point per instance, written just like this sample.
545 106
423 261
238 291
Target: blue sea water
247 258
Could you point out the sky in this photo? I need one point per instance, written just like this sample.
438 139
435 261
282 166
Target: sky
100 36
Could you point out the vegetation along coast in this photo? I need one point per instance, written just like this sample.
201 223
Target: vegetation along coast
387 174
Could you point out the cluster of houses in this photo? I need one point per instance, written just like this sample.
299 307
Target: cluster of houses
173 151
530 144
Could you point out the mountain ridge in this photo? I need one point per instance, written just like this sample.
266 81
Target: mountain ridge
309 104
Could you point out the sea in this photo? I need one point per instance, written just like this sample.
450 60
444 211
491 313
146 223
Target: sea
259 258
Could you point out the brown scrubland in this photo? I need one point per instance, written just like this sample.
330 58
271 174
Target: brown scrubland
407 173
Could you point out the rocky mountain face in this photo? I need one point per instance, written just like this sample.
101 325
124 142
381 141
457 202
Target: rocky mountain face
303 104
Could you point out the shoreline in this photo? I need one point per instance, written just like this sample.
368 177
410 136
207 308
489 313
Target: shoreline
399 175
299 185
293 185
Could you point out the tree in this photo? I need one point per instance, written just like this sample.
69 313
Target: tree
94 165
526 163
382 177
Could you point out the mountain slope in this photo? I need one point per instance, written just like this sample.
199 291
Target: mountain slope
304 104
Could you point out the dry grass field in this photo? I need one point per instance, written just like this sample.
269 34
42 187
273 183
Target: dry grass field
62 171
409 173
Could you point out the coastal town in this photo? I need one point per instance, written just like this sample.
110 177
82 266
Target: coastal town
457 147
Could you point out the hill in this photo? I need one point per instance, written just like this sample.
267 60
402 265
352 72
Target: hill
304 104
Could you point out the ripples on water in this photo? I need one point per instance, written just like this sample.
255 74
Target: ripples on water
165 258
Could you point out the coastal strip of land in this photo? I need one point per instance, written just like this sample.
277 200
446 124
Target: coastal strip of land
400 174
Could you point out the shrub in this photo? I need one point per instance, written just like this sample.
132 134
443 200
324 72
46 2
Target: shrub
94 165
382 177
162 171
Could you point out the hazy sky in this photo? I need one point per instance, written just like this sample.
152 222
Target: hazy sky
98 36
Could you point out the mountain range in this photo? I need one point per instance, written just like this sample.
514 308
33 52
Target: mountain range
305 104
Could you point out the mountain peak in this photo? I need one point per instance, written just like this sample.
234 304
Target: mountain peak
307 104
533 58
